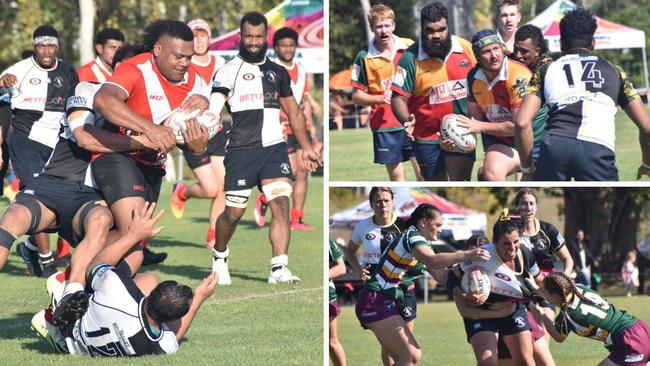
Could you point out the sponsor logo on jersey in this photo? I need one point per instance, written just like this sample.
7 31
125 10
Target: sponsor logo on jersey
34 81
519 322
241 182
247 76
356 70
448 91
371 236
633 358
367 313
285 168
407 311
463 63
502 276
28 191
271 76
400 76
477 325
58 82
138 187
520 86
497 113
156 97
76 101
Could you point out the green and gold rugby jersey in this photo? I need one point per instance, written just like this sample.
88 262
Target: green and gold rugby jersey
335 255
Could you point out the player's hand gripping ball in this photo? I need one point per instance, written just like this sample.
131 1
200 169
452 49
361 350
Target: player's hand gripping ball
178 118
476 281
449 129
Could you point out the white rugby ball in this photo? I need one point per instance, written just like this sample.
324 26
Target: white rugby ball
176 121
449 129
476 280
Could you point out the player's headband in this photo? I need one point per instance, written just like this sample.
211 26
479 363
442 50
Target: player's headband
484 42
45 40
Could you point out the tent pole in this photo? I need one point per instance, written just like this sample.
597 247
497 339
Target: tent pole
645 71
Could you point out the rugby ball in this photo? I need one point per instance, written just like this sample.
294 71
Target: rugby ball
449 129
476 280
176 121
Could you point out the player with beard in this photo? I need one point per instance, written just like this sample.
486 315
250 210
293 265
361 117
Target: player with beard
508 18
421 97
41 84
107 42
285 41
496 86
372 76
207 167
255 88
138 97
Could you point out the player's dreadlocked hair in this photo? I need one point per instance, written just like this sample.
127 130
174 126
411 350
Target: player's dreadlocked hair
433 12
165 27
423 211
169 301
535 34
577 29
558 283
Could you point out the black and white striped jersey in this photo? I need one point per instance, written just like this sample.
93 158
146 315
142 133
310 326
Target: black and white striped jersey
115 323
253 93
38 98
69 161
582 91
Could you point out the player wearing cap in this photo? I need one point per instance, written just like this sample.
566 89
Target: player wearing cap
107 43
208 166
40 86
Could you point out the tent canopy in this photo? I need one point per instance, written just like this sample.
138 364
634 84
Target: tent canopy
461 222
608 35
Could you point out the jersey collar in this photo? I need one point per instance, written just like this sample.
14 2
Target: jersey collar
503 75
456 47
100 64
373 52
56 64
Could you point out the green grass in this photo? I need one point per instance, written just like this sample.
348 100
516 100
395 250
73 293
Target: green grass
440 333
351 157
247 323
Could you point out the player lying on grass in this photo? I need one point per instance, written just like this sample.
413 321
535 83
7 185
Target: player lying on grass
584 312
128 317
490 316
404 260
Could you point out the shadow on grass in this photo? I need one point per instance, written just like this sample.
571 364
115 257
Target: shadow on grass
17 326
166 241
39 345
198 272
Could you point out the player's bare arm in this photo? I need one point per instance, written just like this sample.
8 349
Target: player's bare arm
5 122
476 123
367 100
297 122
99 140
524 129
202 292
399 106
638 114
110 101
142 227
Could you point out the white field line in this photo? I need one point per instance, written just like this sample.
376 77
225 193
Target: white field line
273 294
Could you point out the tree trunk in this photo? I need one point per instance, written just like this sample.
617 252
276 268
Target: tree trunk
86 31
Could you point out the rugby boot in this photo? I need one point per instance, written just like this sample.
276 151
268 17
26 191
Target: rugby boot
177 200
260 210
151 257
31 259
49 268
301 226
43 326
220 265
282 275
71 307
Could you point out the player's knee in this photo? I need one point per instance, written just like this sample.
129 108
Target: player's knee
99 218
412 357
232 215
7 238
211 190
33 212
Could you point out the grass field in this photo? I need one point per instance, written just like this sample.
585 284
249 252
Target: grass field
440 333
351 157
247 323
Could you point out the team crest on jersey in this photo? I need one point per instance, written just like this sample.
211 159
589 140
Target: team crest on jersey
501 94
271 76
248 76
285 168
388 304
34 81
407 311
58 81
390 236
463 63
371 236
502 276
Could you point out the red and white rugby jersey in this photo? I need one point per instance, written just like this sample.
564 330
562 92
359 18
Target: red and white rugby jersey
208 70
299 87
153 97
94 71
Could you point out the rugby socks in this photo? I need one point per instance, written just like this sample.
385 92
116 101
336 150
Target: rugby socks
62 248
46 259
264 200
296 215
211 235
180 191
71 288
220 255
143 243
279 262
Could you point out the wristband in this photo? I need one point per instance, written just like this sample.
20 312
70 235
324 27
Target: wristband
529 170
645 165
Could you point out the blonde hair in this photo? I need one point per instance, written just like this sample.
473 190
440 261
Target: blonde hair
380 12
503 3
631 256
